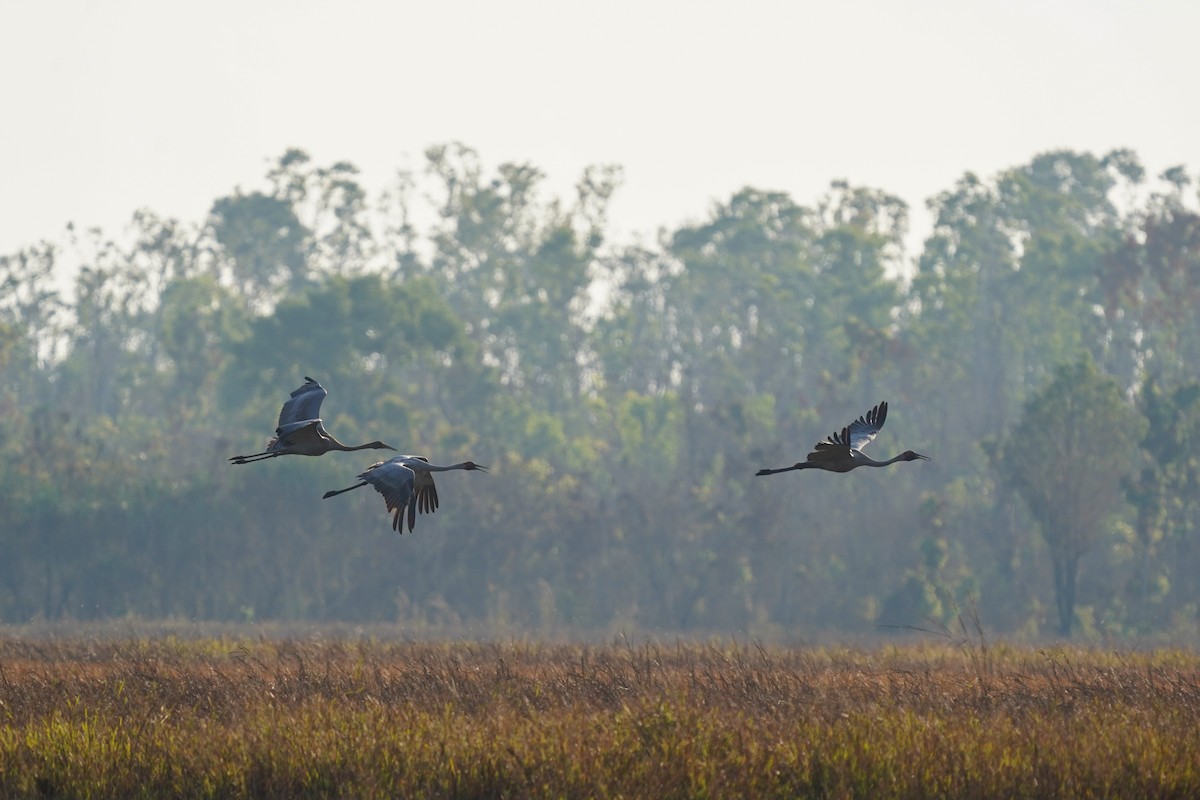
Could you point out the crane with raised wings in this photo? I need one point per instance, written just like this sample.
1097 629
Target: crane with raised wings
300 430
843 451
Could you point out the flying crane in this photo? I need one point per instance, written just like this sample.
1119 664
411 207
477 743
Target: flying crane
406 483
842 452
300 431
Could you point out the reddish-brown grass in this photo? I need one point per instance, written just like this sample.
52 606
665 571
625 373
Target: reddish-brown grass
321 718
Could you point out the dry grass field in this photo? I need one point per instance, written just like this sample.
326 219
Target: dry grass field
314 717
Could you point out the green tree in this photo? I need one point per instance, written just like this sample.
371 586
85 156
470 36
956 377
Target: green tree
1075 442
332 206
1165 493
518 270
1151 288
262 243
33 318
632 342
1007 285
761 315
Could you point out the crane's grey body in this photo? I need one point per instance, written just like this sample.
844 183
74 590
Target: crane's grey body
843 451
406 483
300 430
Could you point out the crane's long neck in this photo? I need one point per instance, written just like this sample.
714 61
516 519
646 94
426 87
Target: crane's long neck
417 464
368 446
867 461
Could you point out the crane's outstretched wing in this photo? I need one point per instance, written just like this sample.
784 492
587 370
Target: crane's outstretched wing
425 489
855 436
304 404
396 483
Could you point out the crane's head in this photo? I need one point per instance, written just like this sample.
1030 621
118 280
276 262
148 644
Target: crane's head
473 465
909 455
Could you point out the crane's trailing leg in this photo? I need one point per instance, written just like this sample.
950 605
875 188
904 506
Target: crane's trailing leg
333 492
783 469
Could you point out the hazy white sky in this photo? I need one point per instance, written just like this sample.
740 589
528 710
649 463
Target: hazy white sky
117 105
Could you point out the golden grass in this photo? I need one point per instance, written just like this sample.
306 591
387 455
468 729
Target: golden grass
317 718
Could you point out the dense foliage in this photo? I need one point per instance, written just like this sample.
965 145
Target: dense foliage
1042 348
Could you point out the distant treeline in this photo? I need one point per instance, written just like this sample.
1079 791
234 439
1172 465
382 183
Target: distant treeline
1042 348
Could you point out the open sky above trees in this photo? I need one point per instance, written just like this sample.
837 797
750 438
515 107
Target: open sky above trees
130 104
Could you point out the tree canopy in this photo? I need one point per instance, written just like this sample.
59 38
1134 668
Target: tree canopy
1041 347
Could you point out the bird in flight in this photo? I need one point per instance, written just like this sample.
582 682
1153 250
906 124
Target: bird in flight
842 452
406 483
301 432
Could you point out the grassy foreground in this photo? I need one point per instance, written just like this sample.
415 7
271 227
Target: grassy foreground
319 718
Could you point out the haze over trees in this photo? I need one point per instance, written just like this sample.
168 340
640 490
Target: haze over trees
1042 348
